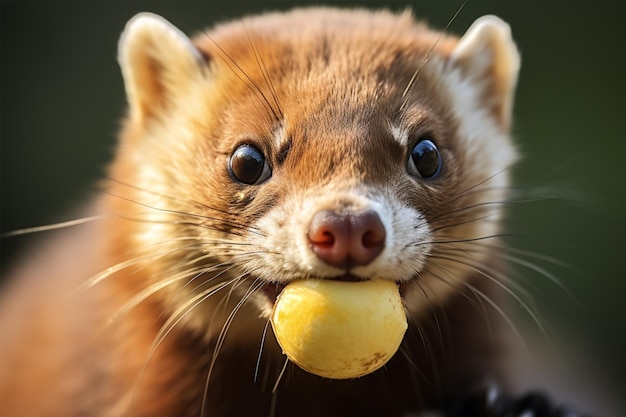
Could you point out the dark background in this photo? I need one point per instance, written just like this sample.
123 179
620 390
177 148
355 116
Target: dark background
62 99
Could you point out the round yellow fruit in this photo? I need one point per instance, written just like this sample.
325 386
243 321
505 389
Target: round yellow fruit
339 329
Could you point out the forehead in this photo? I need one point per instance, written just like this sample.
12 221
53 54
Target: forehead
323 45
325 64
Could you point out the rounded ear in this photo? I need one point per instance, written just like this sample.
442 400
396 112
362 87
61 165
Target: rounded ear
158 61
488 56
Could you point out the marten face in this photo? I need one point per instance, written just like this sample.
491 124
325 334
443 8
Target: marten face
333 145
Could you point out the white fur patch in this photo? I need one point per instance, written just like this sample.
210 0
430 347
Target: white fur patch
488 150
400 134
289 255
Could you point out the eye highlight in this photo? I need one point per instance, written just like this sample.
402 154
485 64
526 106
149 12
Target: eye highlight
425 160
248 165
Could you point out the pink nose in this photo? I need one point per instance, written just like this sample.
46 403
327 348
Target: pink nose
347 240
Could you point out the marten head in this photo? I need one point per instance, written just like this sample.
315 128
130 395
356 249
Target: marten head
320 143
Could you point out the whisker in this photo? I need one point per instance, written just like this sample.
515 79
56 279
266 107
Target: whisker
258 360
478 248
99 277
275 390
227 265
254 286
440 278
168 326
413 365
422 336
426 59
540 256
529 305
485 271
241 74
261 63
499 282
178 200
211 268
185 309
545 273
463 193
280 376
462 223
433 310
157 286
183 214
164 196
501 313
475 206
447 214
466 240
54 226
527 264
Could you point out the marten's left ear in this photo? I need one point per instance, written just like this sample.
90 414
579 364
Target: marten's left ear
158 63
488 56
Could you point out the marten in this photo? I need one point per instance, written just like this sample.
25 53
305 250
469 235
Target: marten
236 145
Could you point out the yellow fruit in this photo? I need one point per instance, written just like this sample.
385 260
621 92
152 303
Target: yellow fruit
339 329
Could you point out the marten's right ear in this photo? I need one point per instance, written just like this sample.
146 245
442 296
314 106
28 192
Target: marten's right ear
488 56
158 64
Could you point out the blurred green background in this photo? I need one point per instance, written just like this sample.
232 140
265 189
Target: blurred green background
62 98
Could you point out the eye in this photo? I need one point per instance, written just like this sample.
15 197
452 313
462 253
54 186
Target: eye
248 165
425 160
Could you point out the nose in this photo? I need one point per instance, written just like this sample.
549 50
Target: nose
347 239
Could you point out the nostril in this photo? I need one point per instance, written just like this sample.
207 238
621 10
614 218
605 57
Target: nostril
326 239
371 228
326 228
369 240
328 232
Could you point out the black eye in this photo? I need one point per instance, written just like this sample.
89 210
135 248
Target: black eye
248 165
425 160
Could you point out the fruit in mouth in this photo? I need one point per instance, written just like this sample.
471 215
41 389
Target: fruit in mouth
339 329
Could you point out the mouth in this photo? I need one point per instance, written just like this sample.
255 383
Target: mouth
272 290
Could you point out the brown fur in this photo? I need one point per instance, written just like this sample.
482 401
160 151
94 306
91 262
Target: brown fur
315 91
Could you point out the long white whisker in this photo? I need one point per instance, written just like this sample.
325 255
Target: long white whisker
280 376
275 390
257 284
258 360
55 226
263 68
429 54
536 319
250 83
168 326
156 287
545 273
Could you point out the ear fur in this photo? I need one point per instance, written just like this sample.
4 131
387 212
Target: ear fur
487 54
157 61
